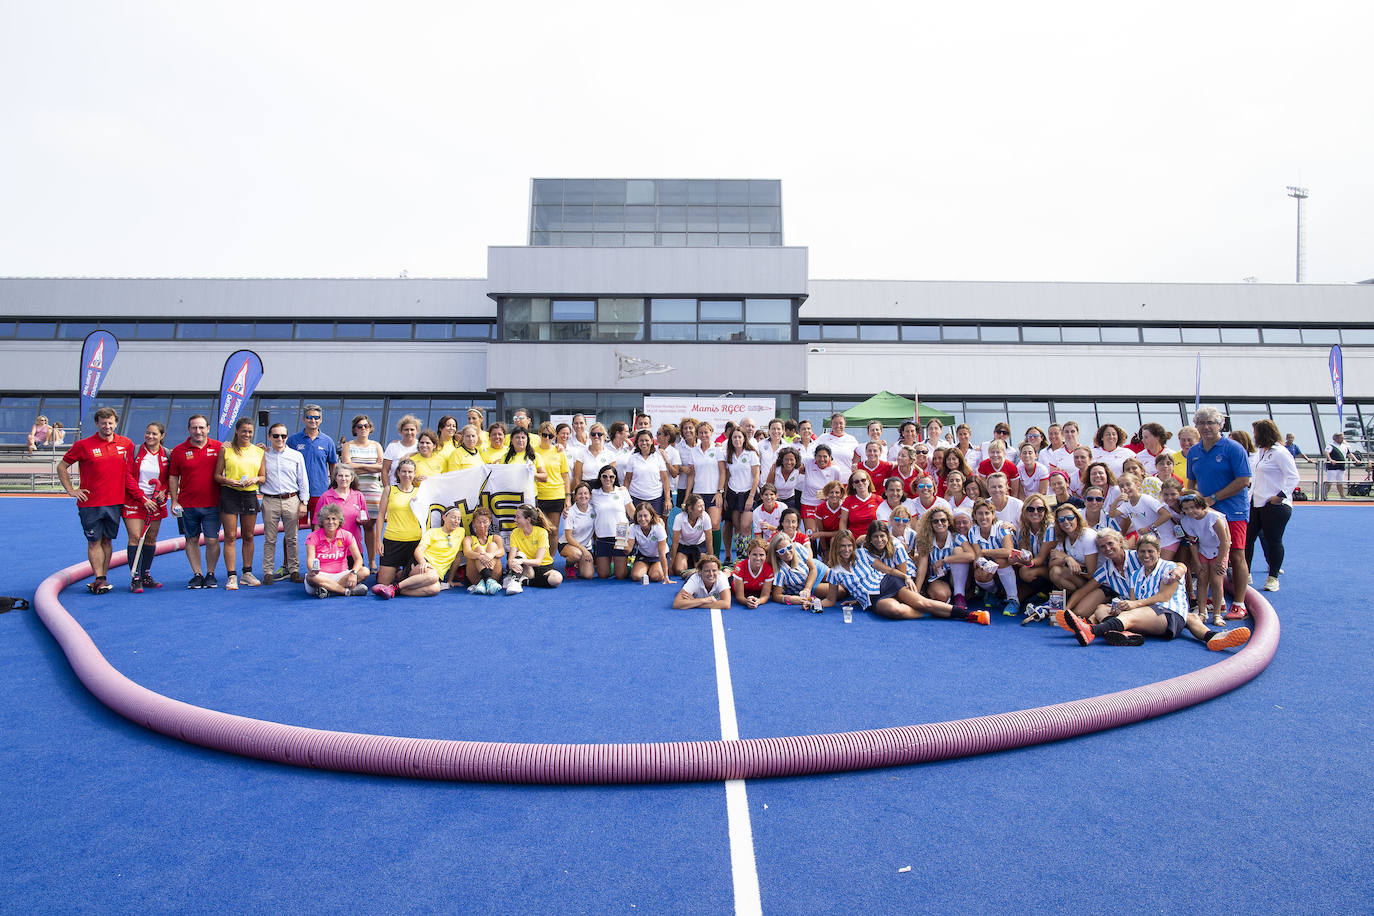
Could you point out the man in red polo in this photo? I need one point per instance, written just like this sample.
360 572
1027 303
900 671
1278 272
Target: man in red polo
103 462
194 497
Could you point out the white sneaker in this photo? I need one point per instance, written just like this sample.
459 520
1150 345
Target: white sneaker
513 586
1271 584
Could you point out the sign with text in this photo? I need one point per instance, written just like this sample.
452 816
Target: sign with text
717 410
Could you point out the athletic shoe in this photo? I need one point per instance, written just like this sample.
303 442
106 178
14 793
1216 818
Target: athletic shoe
477 589
1123 638
357 591
297 578
980 617
279 572
1271 584
1230 639
321 592
570 572
1237 612
136 586
513 586
100 587
248 578
960 603
1061 619
196 582
385 592
1079 628
210 581
1011 608
150 582
232 583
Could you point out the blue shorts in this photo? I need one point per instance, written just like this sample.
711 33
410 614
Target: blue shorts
1175 622
195 522
99 522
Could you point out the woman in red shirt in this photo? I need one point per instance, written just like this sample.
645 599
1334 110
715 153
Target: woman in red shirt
827 516
873 464
752 578
860 507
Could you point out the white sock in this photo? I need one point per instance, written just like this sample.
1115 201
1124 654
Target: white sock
1008 577
958 572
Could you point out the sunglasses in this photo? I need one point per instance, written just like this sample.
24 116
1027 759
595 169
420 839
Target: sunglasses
1094 499
1067 518
608 477
314 417
939 521
598 435
278 435
1036 510
784 551
924 486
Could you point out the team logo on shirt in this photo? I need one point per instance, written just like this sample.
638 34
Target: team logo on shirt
190 454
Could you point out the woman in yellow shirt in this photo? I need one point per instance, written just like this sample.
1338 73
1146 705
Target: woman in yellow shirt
495 449
551 496
400 529
429 461
484 553
448 435
530 558
468 454
434 558
241 467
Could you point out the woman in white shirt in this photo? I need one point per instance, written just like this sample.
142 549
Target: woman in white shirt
706 478
650 545
646 473
1032 475
1109 446
786 475
1273 479
593 458
579 538
740 467
613 510
691 530
409 429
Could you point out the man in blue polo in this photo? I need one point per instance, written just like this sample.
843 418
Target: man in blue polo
319 453
1219 469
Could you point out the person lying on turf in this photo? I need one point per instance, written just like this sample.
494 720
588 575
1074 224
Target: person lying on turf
706 588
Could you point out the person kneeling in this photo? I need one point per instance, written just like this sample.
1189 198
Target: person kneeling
328 552
434 557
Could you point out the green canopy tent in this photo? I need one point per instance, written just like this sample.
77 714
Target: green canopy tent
892 409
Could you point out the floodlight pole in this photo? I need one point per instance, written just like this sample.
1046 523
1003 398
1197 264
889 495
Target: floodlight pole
1300 194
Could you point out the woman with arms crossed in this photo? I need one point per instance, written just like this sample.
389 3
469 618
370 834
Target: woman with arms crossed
241 469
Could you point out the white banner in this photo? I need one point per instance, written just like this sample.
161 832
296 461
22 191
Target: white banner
499 487
717 410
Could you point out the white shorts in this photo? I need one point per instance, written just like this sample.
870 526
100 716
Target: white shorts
337 577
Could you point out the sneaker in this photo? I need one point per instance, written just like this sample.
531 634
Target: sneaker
196 582
321 592
960 603
210 581
1229 640
1123 638
357 591
1061 619
279 573
232 583
980 617
1079 628
570 572
493 587
136 586
1237 612
1011 608
513 586
1271 584
478 589
248 578
150 582
385 592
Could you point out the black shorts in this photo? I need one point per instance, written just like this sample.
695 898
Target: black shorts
397 554
889 587
99 522
708 500
734 501
642 558
605 547
692 552
540 577
238 502
551 506
656 503
1176 624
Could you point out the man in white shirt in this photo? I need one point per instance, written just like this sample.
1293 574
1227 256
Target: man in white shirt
842 445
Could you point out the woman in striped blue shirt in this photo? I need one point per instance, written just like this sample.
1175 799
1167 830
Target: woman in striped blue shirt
797 578
990 549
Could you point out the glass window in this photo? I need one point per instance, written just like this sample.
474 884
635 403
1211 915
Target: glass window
568 330
1162 335
639 239
734 219
274 330
1079 333
6 328
674 331
1125 415
674 309
76 330
920 332
1118 334
701 240
576 240
470 330
141 412
1324 336
840 331
234 330
66 411
672 192
1000 333
195 330
641 218
1357 336
1084 413
1165 413
372 408
734 239
157 330
609 191
35 330
722 309
573 310
430 330
765 219
1240 335
546 238
959 332
767 192
982 416
878 332
398 408
1040 333
279 410
546 218
609 217
391 330
808 332
1242 414
763 239
720 332
579 191
620 331
622 310
314 330
578 218
609 240
1024 414
1201 335
672 239
776 310
672 219
1297 419
701 219
1282 336
768 332
353 329
639 191
548 191
732 192
701 192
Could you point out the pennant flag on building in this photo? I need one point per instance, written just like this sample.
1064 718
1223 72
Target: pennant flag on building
1337 385
242 372
97 355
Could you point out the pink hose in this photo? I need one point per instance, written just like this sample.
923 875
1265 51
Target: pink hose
684 761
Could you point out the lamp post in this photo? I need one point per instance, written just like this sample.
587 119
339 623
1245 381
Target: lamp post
1300 194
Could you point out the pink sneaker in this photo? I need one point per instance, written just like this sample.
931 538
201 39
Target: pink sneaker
1237 612
384 591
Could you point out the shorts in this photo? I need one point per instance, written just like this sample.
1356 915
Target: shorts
238 502
654 502
140 512
809 511
398 553
337 577
99 522
734 501
605 547
791 502
551 506
1175 622
692 552
540 577
1238 532
195 522
642 558
708 500
888 588
677 498
1335 476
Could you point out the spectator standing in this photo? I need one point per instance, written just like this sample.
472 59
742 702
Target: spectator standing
1337 457
193 495
285 497
319 452
1219 469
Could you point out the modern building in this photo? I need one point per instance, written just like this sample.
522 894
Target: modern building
691 278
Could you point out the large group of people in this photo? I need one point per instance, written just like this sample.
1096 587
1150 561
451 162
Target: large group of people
1095 535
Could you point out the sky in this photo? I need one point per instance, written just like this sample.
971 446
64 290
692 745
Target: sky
917 141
